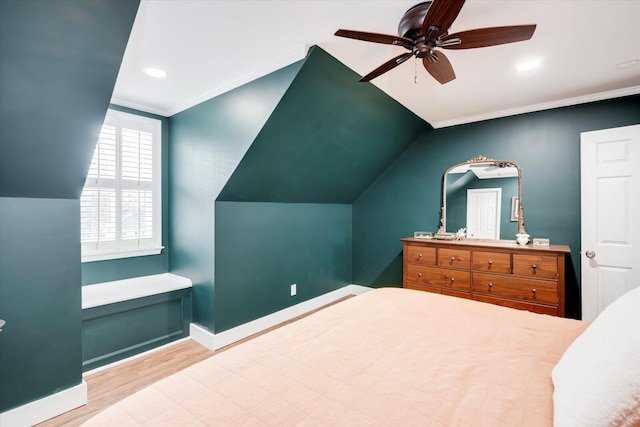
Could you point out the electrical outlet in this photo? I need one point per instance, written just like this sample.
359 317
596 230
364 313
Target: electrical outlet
293 290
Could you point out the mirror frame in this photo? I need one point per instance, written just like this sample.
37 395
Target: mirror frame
475 160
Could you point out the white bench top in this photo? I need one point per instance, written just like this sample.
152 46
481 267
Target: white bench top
128 289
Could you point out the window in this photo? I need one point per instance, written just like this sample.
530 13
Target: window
121 202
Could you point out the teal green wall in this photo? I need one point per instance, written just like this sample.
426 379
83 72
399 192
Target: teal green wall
329 137
324 138
59 60
206 144
546 146
125 268
263 248
40 346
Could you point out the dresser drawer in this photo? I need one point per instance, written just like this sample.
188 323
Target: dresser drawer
543 291
535 266
492 262
441 277
421 255
454 258
535 308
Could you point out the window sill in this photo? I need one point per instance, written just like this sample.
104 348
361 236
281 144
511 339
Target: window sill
122 254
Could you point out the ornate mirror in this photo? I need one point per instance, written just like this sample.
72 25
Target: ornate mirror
483 196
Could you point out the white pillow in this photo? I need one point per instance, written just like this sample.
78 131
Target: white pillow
597 380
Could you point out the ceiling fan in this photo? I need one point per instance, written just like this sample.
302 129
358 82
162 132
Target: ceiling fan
424 28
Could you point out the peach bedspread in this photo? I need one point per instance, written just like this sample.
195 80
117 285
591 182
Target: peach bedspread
390 357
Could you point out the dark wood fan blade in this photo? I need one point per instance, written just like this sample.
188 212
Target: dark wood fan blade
441 14
390 64
376 38
484 37
440 67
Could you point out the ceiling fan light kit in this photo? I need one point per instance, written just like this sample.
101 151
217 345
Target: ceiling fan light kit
424 28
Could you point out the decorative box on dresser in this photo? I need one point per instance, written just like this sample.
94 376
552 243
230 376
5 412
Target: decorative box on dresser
497 272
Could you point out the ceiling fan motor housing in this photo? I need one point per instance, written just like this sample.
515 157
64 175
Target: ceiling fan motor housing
411 22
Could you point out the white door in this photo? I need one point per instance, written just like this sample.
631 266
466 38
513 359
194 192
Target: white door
610 209
483 213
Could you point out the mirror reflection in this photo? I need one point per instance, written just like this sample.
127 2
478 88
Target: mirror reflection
483 196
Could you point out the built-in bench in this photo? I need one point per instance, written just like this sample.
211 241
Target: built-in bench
126 317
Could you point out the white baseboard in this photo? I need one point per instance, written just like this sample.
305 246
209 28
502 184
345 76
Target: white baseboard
202 335
216 341
43 409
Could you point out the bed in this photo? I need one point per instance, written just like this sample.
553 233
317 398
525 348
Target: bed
391 357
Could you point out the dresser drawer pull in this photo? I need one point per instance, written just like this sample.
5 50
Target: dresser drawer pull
534 290
490 262
453 280
419 274
534 266
419 255
453 258
491 285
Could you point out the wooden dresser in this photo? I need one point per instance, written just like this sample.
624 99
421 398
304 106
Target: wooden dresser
503 273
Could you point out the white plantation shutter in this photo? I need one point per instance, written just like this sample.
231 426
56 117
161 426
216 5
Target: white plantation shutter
98 215
137 155
103 164
137 214
120 205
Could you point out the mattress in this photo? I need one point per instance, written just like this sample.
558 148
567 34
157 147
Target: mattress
389 357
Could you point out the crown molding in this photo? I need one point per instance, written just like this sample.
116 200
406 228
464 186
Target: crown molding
140 107
618 93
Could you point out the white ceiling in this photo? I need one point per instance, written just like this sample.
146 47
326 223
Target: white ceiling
208 47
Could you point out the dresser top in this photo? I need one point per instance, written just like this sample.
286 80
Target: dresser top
489 244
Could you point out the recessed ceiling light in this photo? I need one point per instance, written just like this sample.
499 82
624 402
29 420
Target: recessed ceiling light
528 65
628 64
155 72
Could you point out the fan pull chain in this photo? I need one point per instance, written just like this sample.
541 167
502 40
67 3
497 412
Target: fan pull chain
415 70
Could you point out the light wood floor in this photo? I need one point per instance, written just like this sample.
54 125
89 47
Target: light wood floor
111 385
